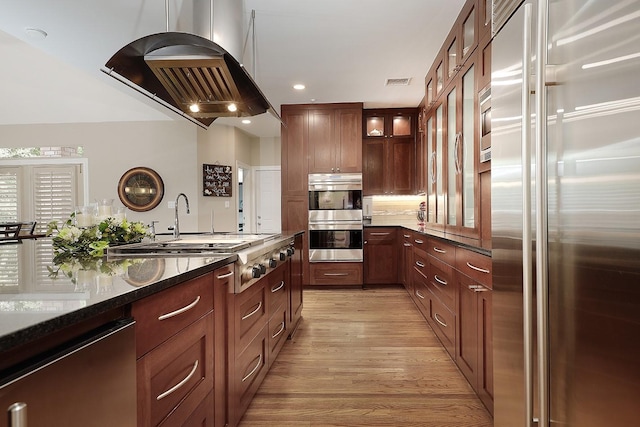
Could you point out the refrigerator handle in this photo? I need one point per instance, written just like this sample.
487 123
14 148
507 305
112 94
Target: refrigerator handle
542 278
527 243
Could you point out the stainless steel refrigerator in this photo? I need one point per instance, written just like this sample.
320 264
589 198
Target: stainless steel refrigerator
566 213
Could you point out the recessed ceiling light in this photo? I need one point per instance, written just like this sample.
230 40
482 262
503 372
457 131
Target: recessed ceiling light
194 108
298 86
246 121
232 107
35 33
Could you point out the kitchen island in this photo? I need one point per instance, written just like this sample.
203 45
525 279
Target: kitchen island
184 309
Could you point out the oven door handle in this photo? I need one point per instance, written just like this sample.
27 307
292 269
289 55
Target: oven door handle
335 225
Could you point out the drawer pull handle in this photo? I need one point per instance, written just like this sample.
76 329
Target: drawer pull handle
246 316
407 244
478 288
437 319
180 310
440 251
481 270
181 383
419 295
418 241
406 236
420 264
439 280
379 234
276 289
279 330
224 276
336 274
253 371
17 414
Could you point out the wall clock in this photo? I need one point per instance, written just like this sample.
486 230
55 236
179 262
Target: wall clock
140 189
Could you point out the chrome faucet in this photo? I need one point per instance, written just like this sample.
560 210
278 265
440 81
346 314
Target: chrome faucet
176 222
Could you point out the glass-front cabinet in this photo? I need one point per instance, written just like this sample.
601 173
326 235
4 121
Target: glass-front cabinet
451 156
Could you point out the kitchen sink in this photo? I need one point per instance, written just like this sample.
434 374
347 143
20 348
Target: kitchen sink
191 245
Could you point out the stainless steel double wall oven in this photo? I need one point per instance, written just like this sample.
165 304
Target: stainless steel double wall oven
335 217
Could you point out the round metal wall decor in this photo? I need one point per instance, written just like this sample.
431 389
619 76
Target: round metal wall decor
140 189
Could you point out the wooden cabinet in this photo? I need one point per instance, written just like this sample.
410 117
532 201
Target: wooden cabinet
452 147
223 286
248 347
278 292
380 255
474 346
316 138
176 352
335 273
259 324
406 259
295 280
388 148
335 138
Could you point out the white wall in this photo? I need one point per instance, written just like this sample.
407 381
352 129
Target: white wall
176 150
168 147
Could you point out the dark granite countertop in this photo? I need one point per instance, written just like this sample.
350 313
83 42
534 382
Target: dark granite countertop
465 242
33 304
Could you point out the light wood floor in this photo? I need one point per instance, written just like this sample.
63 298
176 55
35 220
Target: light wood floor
364 358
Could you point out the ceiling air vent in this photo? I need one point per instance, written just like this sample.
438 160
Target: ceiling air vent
398 82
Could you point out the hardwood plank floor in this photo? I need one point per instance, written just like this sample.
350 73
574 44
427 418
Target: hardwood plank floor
364 358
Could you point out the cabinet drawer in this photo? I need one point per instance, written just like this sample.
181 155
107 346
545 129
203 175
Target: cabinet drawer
421 294
441 282
160 316
442 250
474 265
336 273
250 370
250 313
278 327
277 288
444 325
421 264
420 244
182 366
188 414
380 234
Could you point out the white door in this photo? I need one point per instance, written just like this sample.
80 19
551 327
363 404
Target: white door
267 185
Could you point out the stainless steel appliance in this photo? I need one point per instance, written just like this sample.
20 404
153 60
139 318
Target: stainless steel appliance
565 202
335 218
89 381
484 98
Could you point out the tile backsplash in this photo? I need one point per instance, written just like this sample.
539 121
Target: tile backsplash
395 210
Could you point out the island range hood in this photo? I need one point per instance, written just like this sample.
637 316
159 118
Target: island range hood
191 75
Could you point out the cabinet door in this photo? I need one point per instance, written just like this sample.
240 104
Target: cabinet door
452 164
296 298
485 348
421 156
401 166
223 285
380 256
439 166
322 153
295 139
374 160
467 348
349 140
467 152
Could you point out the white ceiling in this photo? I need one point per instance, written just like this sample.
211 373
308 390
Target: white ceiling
342 50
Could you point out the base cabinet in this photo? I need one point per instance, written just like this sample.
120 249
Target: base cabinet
335 273
175 350
452 290
380 255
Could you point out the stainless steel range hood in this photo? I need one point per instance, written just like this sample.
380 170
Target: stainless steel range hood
191 75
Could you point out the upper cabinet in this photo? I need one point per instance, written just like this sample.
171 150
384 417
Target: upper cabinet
335 138
389 141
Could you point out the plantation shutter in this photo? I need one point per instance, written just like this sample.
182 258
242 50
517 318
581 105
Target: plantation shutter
9 212
54 197
9 191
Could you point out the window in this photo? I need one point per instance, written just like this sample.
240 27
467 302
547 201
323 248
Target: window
42 192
